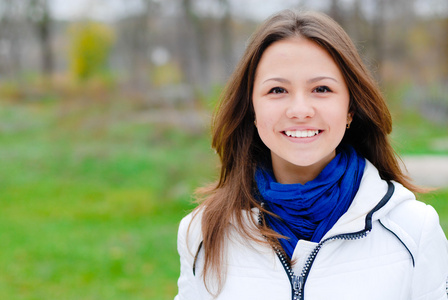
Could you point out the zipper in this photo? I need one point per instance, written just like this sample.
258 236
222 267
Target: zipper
307 267
298 282
295 281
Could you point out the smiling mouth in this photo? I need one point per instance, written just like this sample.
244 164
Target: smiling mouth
301 133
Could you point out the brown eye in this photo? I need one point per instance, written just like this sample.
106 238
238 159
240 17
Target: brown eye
322 89
277 90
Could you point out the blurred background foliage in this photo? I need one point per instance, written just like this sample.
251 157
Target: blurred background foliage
90 49
104 114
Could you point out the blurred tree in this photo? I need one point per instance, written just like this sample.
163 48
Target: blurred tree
140 34
12 29
336 12
90 48
191 43
445 49
39 14
357 28
378 34
227 37
206 42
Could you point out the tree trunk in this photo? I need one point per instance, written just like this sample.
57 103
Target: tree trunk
335 12
227 38
378 37
39 15
44 29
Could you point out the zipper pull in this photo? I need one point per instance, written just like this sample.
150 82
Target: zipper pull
297 283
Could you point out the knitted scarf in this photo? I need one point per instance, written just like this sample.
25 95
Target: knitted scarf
310 210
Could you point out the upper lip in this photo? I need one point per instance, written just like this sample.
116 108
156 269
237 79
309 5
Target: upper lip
301 128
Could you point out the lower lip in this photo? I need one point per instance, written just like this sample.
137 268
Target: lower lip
303 139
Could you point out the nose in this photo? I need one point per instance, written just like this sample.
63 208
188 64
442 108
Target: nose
300 107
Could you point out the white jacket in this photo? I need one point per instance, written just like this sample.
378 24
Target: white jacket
398 251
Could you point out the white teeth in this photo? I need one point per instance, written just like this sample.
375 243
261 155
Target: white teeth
303 133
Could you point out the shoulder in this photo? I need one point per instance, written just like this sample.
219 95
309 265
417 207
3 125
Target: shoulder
190 233
187 245
417 225
412 215
192 220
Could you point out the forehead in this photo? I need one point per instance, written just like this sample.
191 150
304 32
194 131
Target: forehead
297 55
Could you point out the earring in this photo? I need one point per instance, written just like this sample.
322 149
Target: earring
349 120
255 123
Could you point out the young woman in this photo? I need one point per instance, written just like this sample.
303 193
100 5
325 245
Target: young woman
311 202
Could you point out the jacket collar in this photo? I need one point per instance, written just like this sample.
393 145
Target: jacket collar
372 201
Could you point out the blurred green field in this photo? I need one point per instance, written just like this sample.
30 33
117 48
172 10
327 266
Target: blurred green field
91 198
91 204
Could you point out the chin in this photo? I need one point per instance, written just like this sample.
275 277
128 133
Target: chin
310 160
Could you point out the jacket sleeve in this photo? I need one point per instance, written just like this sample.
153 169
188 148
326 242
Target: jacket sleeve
187 288
431 265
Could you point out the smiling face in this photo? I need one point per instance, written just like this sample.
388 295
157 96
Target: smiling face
301 104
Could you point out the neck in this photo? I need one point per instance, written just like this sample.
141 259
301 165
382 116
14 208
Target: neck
287 173
297 175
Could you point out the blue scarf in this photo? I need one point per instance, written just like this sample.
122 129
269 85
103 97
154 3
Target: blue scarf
308 211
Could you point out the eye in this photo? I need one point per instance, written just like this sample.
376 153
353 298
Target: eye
322 89
277 90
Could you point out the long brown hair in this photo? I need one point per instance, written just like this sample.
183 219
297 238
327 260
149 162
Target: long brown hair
240 149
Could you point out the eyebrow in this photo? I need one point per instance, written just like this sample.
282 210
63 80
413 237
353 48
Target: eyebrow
279 79
316 79
312 80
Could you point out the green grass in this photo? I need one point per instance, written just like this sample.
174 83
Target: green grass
91 198
91 212
413 135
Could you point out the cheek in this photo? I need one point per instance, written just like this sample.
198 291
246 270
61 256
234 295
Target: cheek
266 114
265 123
335 114
339 123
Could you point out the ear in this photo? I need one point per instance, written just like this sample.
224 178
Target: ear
349 117
349 120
